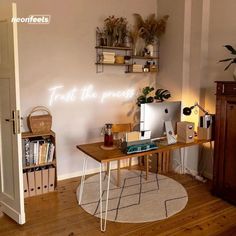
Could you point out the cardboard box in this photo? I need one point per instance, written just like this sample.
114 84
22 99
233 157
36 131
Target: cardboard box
185 132
204 133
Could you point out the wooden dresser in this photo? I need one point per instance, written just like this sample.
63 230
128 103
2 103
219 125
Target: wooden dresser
224 172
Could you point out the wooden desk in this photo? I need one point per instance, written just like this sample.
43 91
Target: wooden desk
95 151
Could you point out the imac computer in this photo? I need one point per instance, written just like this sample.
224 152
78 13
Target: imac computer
154 115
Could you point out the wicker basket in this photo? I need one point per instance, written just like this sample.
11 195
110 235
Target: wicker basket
39 124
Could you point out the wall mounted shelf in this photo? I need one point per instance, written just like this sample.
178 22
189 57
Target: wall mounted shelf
113 51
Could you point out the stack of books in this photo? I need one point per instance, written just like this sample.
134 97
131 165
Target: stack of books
108 57
137 68
37 152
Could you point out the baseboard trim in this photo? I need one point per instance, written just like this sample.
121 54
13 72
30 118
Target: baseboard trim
124 163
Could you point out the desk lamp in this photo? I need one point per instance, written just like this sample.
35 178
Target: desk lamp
188 110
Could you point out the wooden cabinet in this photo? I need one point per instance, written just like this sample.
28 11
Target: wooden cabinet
224 172
39 163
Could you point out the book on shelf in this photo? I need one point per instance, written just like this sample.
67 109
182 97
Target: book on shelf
27 152
37 152
51 152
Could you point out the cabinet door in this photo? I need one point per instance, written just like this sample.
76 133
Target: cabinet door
230 149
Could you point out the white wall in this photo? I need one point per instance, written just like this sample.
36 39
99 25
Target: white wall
62 53
171 47
209 25
221 32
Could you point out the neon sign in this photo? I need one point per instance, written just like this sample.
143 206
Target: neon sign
86 93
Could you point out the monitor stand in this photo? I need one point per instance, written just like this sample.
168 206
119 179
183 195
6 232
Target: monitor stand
170 135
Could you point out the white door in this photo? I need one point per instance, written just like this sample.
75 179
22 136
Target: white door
11 177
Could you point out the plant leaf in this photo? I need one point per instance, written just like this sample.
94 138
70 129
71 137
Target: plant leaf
231 49
228 59
228 65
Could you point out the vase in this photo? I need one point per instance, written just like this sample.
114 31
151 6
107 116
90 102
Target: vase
149 48
234 74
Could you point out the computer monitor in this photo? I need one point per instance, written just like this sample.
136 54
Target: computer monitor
154 115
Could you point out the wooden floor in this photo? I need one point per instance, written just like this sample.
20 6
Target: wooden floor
59 214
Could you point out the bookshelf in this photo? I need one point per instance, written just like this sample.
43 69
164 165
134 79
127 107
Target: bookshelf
39 163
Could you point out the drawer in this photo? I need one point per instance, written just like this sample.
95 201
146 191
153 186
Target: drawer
226 88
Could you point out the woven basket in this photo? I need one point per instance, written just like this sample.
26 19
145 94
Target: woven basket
40 123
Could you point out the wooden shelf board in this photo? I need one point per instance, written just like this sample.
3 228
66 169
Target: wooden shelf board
32 135
112 64
113 48
144 57
141 72
40 165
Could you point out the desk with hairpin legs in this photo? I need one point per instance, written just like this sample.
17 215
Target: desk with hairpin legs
102 156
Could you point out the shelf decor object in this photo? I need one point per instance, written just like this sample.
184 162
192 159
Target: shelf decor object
39 123
150 30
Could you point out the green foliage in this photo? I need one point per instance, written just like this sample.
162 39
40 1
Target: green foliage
231 59
145 97
162 94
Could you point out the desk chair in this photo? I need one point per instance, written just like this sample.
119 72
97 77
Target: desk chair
123 128
116 130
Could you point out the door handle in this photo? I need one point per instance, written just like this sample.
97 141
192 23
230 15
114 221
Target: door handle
9 120
16 121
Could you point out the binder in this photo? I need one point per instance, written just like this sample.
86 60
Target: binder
38 182
51 179
45 180
31 183
25 183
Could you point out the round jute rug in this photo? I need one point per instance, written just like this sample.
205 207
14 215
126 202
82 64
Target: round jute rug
137 199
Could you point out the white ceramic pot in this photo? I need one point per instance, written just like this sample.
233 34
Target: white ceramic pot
149 48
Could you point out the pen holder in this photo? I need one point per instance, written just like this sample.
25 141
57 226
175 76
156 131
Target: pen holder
204 133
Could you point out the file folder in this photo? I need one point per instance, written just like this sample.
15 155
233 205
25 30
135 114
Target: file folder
25 182
38 182
31 183
45 180
51 179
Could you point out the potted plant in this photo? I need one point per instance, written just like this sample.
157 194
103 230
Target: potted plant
231 60
146 96
115 30
150 29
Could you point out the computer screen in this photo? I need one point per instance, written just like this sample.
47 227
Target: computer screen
154 115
